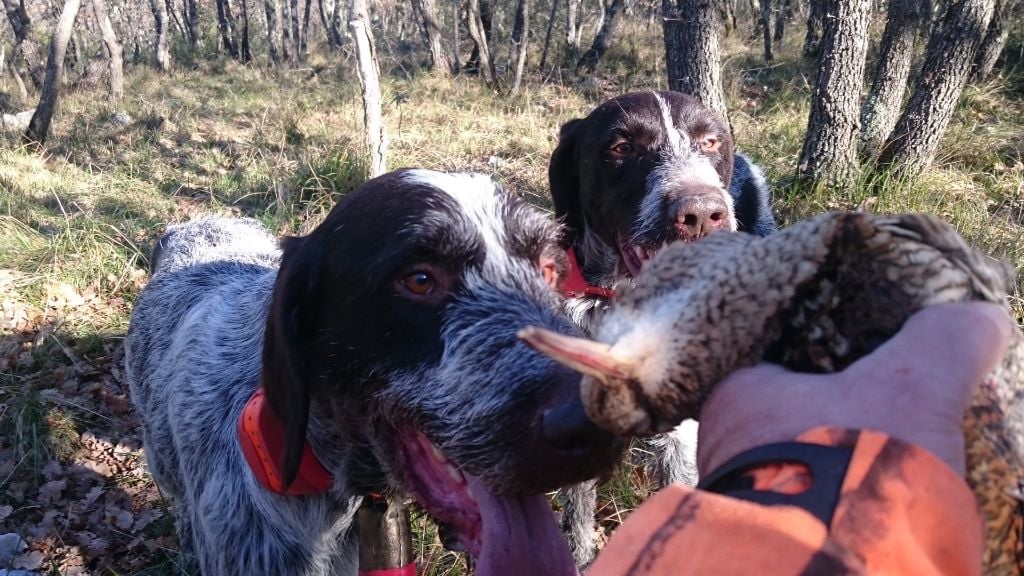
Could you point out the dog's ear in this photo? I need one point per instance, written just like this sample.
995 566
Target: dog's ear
291 328
564 181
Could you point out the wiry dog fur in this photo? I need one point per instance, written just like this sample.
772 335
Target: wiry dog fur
640 171
386 338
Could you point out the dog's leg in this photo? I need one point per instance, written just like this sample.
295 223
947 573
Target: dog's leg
579 506
674 455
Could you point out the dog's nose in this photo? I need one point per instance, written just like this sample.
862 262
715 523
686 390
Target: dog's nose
567 427
698 215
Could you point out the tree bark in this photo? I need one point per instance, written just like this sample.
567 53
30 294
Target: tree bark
520 36
547 34
163 55
244 49
192 21
995 40
588 62
426 11
456 19
829 153
304 38
947 65
226 26
39 126
815 23
24 42
766 28
479 36
882 107
692 56
287 51
329 13
174 18
298 55
782 15
573 26
115 55
369 80
273 11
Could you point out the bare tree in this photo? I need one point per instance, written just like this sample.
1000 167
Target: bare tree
479 36
573 27
113 49
995 40
242 41
369 79
426 11
520 36
882 107
163 54
547 34
830 147
692 56
603 38
783 14
948 62
330 15
298 54
226 27
24 41
39 126
766 28
192 21
815 21
273 10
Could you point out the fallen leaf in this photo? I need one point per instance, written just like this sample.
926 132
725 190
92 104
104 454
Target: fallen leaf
51 491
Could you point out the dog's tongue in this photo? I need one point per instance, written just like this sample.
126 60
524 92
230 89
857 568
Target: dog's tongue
520 535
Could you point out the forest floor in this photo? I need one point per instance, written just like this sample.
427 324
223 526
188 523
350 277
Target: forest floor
78 219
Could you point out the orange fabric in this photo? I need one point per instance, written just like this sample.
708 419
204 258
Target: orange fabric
901 511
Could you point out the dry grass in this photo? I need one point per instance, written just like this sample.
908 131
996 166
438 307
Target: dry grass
76 224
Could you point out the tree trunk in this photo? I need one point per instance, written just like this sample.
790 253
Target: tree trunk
882 107
588 62
479 36
520 37
573 26
39 126
115 55
287 51
244 49
947 65
829 154
727 15
174 18
547 34
766 28
456 19
426 11
815 22
273 11
192 21
330 14
24 41
296 32
369 80
692 57
226 26
163 55
782 15
305 30
473 63
995 40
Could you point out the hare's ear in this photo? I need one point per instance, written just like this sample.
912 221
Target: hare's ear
563 178
290 331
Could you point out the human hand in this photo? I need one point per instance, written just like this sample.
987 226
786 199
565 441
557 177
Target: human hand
915 387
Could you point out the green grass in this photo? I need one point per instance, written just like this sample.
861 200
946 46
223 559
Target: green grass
77 221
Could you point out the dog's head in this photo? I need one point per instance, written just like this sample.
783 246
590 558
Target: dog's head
641 170
396 320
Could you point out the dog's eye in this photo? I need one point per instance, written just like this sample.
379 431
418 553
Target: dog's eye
622 149
420 283
709 144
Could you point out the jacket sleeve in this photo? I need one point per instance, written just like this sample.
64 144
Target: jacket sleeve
892 508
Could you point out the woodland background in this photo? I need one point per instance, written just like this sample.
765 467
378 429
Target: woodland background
121 116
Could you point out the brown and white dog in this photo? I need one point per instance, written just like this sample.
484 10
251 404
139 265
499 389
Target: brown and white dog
640 171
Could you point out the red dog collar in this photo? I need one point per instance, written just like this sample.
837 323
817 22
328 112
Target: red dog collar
262 439
575 285
407 570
